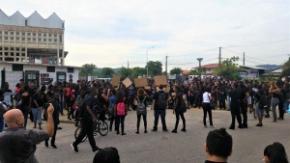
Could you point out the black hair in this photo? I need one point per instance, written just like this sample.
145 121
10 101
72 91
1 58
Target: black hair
107 155
219 143
276 153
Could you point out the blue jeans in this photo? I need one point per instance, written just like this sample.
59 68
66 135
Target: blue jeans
1 123
37 115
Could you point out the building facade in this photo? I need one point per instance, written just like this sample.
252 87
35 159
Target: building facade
32 48
32 39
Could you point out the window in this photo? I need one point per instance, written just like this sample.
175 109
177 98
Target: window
11 38
70 69
34 34
11 33
6 38
17 54
50 69
23 33
17 49
6 48
6 54
23 49
44 34
28 34
17 33
17 67
60 38
23 54
11 48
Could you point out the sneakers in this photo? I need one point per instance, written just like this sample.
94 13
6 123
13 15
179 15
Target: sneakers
183 130
74 147
137 132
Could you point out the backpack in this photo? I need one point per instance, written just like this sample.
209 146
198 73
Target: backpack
121 109
161 102
141 108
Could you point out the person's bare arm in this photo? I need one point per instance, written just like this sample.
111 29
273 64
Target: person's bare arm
50 123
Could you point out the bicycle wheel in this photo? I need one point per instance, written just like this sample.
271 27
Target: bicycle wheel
77 133
103 128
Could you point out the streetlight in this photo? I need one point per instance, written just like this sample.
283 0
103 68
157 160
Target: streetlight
199 63
147 68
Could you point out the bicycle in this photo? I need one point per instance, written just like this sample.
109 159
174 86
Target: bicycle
101 127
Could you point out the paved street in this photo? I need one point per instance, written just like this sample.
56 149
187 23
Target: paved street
163 147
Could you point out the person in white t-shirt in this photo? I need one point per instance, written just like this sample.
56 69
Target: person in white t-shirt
206 105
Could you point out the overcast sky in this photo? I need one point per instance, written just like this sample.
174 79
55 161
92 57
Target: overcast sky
112 32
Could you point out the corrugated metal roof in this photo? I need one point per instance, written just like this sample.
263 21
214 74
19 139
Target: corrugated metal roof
34 20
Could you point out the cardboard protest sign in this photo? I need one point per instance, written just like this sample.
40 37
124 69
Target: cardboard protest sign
127 82
140 82
116 81
160 80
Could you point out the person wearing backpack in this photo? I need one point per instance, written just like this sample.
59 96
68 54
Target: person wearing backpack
180 109
141 109
159 106
121 113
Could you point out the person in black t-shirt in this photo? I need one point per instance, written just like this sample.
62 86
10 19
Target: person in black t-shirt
159 105
218 146
88 119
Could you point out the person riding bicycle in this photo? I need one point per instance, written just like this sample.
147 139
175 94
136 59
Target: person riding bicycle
88 121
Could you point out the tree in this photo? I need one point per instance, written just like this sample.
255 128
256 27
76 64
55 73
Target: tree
286 68
87 70
194 72
138 71
175 71
124 72
154 68
107 72
228 69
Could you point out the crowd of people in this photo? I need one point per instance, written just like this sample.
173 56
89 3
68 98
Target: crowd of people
87 101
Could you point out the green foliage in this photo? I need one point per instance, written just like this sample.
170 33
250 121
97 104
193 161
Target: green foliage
228 69
194 72
138 71
124 72
175 71
286 68
154 68
87 70
107 72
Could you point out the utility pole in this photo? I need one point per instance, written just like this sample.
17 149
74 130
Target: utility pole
147 63
199 65
128 64
220 56
244 59
166 64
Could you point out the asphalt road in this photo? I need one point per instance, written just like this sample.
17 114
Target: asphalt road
163 147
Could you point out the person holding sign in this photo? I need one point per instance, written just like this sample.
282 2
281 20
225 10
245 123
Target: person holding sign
159 106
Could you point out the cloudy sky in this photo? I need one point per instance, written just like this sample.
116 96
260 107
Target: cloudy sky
113 32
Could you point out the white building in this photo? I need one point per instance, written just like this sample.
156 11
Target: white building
33 45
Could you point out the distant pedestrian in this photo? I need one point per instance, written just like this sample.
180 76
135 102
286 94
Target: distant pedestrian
180 109
121 112
274 91
141 110
206 105
159 106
